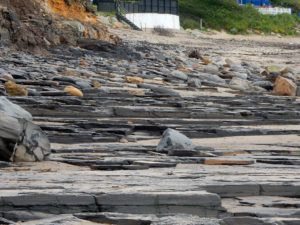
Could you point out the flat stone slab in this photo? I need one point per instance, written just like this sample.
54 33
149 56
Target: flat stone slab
263 206
34 199
224 161
188 198
61 220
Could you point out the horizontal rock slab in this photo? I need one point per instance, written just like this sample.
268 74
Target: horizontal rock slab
288 190
23 215
192 198
160 89
146 219
61 220
164 209
246 221
229 190
36 199
224 161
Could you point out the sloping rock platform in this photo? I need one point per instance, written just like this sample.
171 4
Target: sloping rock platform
104 167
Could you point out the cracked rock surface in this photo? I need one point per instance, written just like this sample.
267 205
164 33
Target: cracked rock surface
104 167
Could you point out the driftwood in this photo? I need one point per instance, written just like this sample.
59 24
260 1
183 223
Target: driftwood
20 139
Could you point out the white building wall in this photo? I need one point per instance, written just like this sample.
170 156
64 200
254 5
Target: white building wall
152 20
274 10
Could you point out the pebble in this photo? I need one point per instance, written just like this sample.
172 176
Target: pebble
73 91
134 80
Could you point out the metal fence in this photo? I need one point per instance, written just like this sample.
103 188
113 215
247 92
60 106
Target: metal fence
141 6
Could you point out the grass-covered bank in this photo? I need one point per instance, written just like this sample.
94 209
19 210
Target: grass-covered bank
294 4
228 15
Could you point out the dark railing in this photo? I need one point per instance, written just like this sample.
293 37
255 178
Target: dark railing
141 6
121 15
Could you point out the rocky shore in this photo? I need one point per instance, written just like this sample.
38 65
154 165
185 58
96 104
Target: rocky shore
154 133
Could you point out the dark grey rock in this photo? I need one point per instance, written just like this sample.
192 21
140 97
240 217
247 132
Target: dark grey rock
65 79
159 89
96 45
35 199
22 215
192 198
83 84
298 91
280 190
240 84
20 139
179 75
210 78
195 83
33 92
239 75
247 221
195 54
211 69
231 190
174 140
237 68
61 220
268 85
35 145
6 221
13 110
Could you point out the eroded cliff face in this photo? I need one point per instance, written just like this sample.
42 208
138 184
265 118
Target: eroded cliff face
43 23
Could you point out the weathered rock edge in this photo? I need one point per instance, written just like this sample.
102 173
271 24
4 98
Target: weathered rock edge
20 138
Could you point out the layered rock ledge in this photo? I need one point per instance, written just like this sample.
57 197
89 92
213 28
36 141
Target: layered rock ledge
105 168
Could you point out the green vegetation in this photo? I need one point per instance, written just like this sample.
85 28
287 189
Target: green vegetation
294 4
228 15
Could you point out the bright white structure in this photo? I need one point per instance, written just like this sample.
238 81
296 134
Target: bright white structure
274 10
152 20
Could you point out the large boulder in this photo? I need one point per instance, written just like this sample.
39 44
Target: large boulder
20 139
174 140
13 110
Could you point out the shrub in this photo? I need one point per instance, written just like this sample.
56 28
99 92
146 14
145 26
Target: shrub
228 15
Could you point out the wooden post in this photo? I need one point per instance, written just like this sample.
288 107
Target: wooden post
201 24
